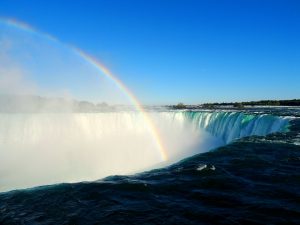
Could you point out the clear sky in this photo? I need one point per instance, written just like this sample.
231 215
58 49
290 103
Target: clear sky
169 51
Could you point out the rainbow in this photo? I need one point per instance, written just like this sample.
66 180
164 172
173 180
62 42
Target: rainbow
103 70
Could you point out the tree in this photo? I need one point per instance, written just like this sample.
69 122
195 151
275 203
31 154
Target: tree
238 105
208 106
180 106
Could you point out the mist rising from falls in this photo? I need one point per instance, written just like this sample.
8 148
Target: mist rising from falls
47 148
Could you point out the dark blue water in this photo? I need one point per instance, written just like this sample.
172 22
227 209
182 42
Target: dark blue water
254 180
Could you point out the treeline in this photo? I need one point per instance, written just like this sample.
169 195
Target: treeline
293 102
240 105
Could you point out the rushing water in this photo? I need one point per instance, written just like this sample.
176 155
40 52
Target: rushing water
253 179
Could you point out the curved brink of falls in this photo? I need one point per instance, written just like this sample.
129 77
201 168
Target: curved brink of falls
233 125
45 148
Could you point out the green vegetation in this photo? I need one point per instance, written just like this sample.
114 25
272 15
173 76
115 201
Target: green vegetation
240 105
293 102
209 106
180 106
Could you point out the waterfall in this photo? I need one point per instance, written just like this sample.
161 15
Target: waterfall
233 125
47 148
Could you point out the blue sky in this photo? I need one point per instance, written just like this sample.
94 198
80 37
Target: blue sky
171 51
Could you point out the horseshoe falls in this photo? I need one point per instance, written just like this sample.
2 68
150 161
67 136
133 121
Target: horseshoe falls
229 126
48 148
78 168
